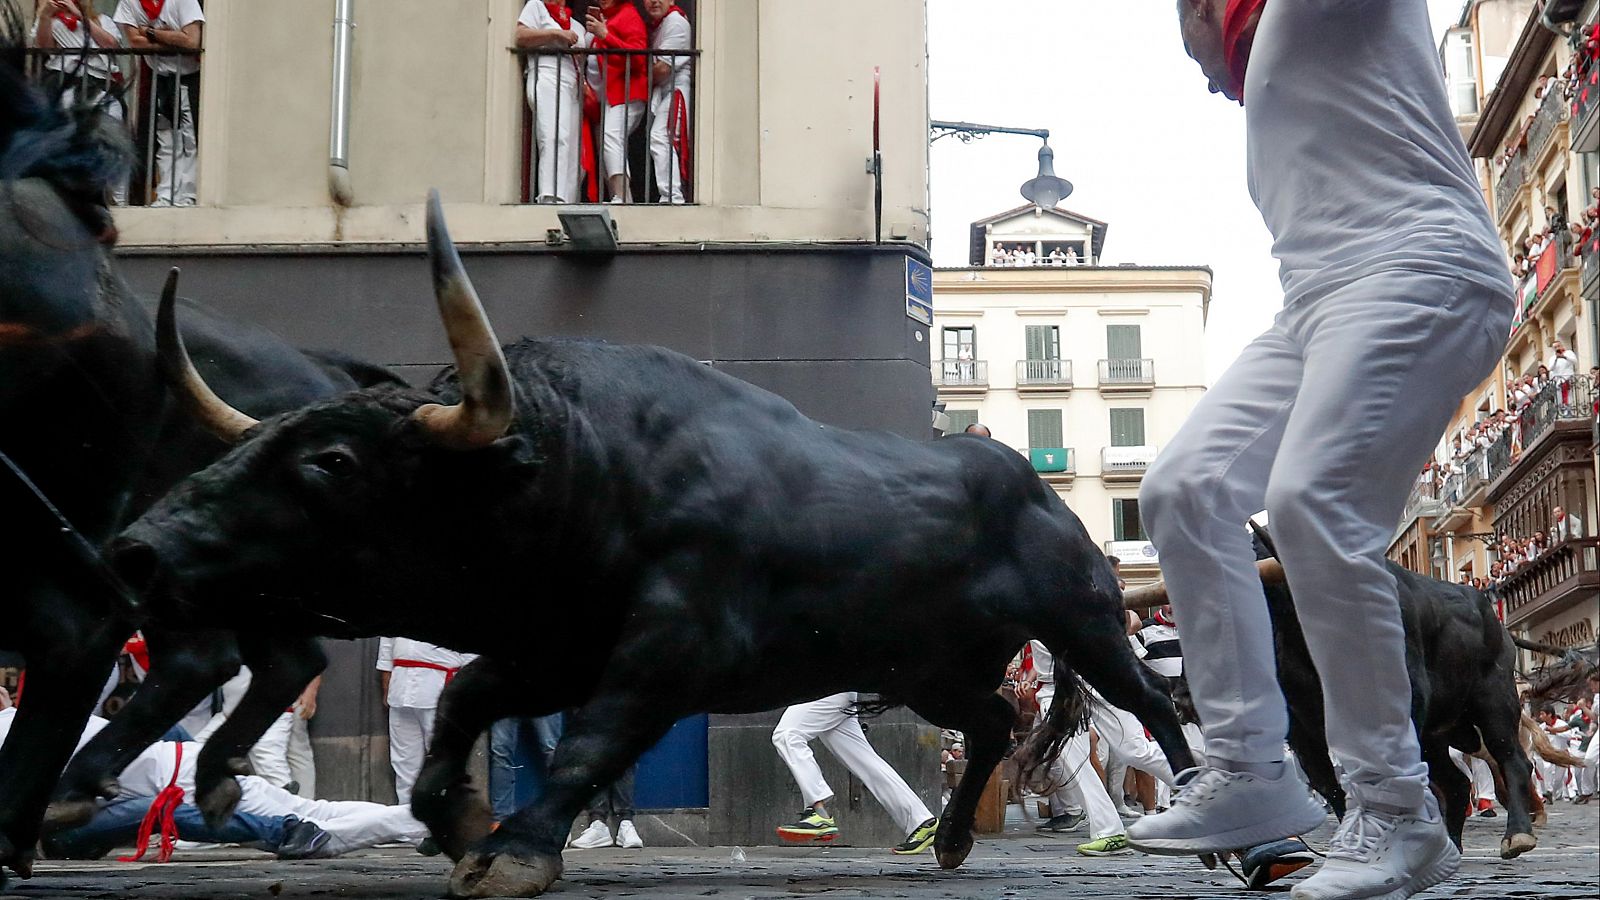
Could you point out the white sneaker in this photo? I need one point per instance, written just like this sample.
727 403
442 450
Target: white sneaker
627 837
1383 857
1214 811
594 837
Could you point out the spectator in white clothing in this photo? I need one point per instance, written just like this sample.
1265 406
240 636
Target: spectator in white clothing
170 25
413 674
671 89
1566 526
553 95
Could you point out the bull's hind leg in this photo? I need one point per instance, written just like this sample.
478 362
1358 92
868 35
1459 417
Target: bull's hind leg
1454 787
1498 717
1098 650
984 718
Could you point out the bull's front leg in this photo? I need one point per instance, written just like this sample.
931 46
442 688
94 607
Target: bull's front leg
984 718
184 668
484 692
280 668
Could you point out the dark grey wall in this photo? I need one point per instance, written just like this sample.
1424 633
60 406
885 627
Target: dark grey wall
824 326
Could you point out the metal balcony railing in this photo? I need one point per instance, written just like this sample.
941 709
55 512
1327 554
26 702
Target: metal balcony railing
1553 111
1127 372
1555 259
1044 373
565 152
1126 460
1560 401
1511 181
961 373
1568 569
122 81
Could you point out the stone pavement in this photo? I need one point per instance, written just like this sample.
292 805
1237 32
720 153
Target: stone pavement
1018 865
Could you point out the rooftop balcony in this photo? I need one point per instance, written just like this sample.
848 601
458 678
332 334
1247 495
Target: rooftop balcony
1044 375
1125 464
1127 376
965 376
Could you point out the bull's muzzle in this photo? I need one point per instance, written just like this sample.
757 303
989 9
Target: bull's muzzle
135 562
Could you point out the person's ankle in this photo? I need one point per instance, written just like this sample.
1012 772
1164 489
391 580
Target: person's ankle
1271 771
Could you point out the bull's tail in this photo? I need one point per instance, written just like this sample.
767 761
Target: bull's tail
1536 647
1068 716
1544 749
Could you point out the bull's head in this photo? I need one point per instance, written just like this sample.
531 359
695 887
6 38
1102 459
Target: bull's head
335 507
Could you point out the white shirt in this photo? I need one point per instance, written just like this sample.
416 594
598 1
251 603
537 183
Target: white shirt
673 34
98 65
1044 665
1355 158
90 730
536 15
1562 366
417 688
175 16
1570 527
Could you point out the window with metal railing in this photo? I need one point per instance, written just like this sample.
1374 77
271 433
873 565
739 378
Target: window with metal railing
610 119
153 93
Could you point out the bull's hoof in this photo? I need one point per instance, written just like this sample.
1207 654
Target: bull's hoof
488 874
1516 845
218 802
458 818
67 813
952 851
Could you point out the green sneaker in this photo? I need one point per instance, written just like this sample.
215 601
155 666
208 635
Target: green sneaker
1106 846
812 827
920 838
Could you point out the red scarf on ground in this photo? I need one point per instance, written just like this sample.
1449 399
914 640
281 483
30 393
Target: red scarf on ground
152 8
560 12
1234 23
69 20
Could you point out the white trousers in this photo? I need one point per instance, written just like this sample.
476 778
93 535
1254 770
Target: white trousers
831 721
663 152
302 763
353 824
1479 772
1324 420
176 153
270 755
1079 784
1125 745
1589 775
410 731
621 122
1197 745
556 114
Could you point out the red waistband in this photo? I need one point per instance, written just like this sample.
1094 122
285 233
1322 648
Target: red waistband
449 673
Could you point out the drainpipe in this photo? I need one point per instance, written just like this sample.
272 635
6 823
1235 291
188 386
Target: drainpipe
339 131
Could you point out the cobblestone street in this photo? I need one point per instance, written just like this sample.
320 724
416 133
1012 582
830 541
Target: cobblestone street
1019 865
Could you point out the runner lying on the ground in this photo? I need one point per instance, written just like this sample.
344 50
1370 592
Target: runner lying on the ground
117 825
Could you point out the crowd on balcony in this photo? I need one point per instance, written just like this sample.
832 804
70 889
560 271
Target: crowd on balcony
1510 554
590 89
1026 255
72 28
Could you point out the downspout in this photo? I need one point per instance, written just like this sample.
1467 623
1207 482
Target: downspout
339 131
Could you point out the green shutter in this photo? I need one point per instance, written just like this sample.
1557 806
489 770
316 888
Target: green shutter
960 419
1127 427
1122 342
1043 342
1044 428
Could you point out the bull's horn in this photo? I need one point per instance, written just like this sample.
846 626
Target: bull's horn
212 412
486 406
1146 596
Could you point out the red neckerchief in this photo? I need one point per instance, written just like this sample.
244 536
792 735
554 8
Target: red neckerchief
69 20
1234 21
560 12
152 8
160 814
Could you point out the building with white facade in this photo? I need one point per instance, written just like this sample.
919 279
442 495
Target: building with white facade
1085 369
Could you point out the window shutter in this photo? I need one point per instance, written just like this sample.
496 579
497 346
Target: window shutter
960 419
1127 427
1125 522
1044 342
1044 428
1122 342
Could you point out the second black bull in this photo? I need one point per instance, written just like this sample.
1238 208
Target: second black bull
717 550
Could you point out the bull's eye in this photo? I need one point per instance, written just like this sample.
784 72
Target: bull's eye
332 463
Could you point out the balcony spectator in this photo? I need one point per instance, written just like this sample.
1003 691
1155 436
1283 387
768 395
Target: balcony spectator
1057 258
1029 258
170 25
62 24
1072 256
553 95
1563 367
616 26
1566 526
671 79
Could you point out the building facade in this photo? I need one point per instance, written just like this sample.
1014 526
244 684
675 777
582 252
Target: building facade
315 147
1085 369
1526 95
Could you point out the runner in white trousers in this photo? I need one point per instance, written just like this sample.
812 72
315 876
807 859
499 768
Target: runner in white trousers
1397 302
1077 785
833 720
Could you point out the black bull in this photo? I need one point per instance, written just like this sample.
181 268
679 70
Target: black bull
87 417
1462 667
712 548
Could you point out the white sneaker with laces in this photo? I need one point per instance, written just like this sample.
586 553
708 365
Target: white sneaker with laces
1383 857
627 837
594 837
1215 810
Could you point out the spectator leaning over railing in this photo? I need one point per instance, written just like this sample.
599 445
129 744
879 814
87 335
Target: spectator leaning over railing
69 25
616 26
553 95
1563 367
671 79
166 25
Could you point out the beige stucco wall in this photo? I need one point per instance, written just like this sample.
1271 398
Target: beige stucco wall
783 125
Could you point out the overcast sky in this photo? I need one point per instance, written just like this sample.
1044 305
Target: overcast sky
1133 127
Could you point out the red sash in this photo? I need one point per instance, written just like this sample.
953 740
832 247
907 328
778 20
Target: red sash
1234 22
69 20
678 132
161 809
152 9
449 673
139 650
